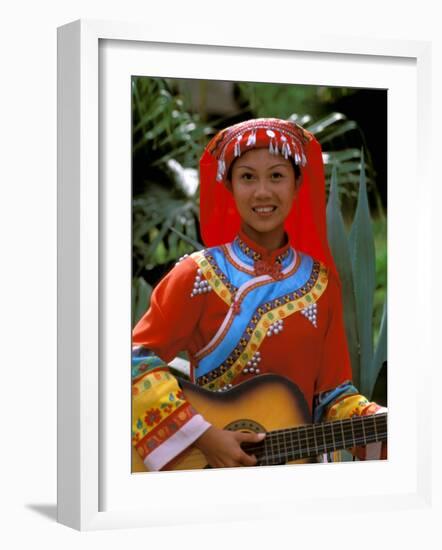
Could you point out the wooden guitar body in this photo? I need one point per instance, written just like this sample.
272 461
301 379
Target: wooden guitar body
262 404
273 404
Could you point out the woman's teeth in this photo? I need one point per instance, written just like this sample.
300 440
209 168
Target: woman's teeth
264 209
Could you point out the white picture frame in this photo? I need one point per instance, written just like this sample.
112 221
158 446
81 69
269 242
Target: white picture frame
95 488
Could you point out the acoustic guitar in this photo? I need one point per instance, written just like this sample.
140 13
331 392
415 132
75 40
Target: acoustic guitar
272 404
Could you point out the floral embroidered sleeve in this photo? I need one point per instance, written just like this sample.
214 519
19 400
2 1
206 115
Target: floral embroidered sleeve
163 422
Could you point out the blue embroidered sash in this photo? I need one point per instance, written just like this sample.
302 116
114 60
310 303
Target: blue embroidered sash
255 298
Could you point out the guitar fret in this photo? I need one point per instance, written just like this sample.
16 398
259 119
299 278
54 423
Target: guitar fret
288 450
330 444
277 451
344 441
285 448
298 431
352 431
296 444
316 442
292 448
295 450
266 458
370 424
268 442
333 436
358 431
363 430
275 448
323 437
306 440
340 442
274 451
281 447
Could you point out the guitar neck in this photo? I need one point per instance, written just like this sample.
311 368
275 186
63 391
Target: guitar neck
282 446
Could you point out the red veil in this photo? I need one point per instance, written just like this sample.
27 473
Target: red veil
306 222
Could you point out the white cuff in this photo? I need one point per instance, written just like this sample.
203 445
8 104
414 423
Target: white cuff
176 443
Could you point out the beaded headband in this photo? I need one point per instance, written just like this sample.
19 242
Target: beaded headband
280 136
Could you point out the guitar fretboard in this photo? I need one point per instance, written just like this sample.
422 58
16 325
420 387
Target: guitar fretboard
281 446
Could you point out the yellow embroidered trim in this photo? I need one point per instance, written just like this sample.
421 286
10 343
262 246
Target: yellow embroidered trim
212 278
264 323
351 405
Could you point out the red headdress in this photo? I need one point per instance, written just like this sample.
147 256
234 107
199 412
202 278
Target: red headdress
306 222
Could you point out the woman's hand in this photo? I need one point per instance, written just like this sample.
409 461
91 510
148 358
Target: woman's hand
222 448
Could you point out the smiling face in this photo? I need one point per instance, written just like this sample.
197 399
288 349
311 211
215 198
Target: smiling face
264 188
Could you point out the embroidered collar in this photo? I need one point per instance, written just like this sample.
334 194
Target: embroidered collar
259 253
265 262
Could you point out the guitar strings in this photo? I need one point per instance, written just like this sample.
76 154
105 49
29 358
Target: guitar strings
348 428
378 418
346 436
310 440
262 451
279 458
358 441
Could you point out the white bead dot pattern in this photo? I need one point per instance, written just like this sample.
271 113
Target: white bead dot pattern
200 285
252 366
225 388
276 327
310 312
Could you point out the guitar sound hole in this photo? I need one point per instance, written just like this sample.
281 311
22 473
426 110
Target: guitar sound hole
245 425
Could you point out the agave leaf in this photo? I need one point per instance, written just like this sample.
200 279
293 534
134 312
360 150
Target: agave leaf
348 166
325 122
338 241
380 355
345 154
339 131
141 292
362 252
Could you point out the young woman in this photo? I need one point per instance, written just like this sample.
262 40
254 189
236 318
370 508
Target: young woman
264 297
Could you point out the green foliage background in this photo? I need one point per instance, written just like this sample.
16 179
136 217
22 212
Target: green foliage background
170 130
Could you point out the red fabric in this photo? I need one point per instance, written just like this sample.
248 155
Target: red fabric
306 223
316 359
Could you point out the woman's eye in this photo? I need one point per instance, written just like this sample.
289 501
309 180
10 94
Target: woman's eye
277 175
246 176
